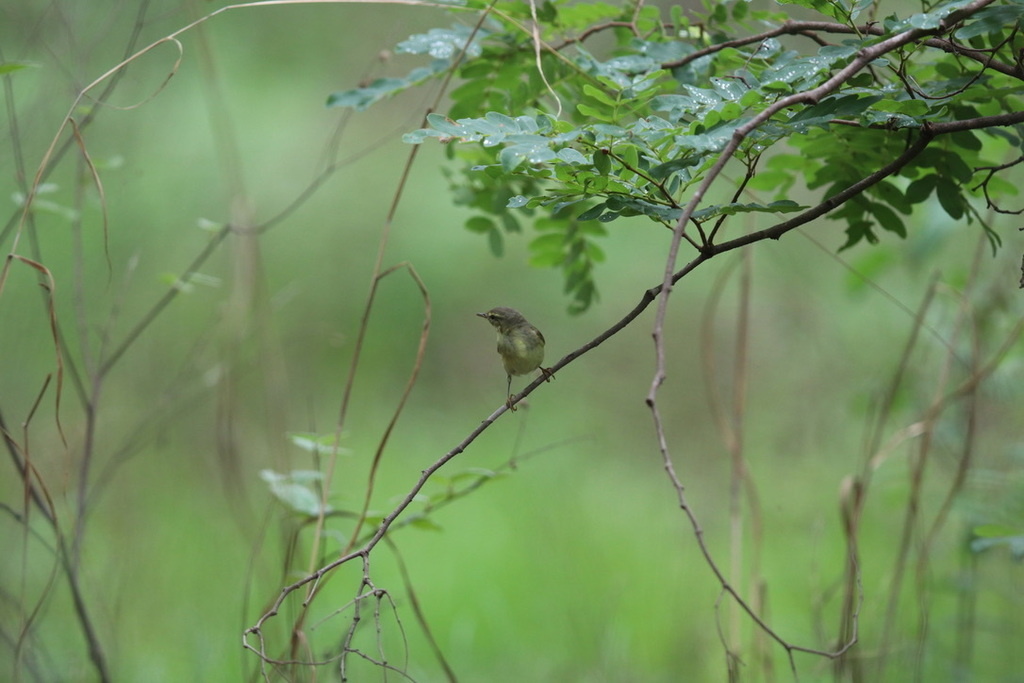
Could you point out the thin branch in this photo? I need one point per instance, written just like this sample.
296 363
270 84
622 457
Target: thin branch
928 133
810 29
410 383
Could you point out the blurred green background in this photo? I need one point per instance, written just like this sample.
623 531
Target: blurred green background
577 564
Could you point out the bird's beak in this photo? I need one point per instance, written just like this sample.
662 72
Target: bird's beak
482 315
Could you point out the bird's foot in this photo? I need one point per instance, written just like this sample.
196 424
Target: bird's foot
548 374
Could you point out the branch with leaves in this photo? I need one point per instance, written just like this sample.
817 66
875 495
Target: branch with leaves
653 124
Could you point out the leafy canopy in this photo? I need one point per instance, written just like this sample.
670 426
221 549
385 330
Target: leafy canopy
613 111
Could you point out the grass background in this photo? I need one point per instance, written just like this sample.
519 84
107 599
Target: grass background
577 565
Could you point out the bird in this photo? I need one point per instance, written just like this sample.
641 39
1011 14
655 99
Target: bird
520 345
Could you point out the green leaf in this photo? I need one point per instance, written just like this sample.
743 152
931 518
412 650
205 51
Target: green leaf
546 259
856 231
593 213
730 111
572 156
890 121
663 171
511 158
361 98
517 201
475 473
593 112
893 196
1014 543
316 443
551 241
954 166
425 523
993 530
599 95
926 20
913 108
750 98
496 242
919 190
992 20
950 197
295 490
832 107
444 43
11 67
888 219
480 224
966 139
781 206
382 88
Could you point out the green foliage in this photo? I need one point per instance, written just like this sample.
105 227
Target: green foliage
11 67
990 536
441 44
297 490
318 444
995 506
632 131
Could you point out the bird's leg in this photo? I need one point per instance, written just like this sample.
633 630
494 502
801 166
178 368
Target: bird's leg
508 401
548 374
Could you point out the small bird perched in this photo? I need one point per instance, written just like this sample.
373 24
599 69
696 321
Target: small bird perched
520 344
